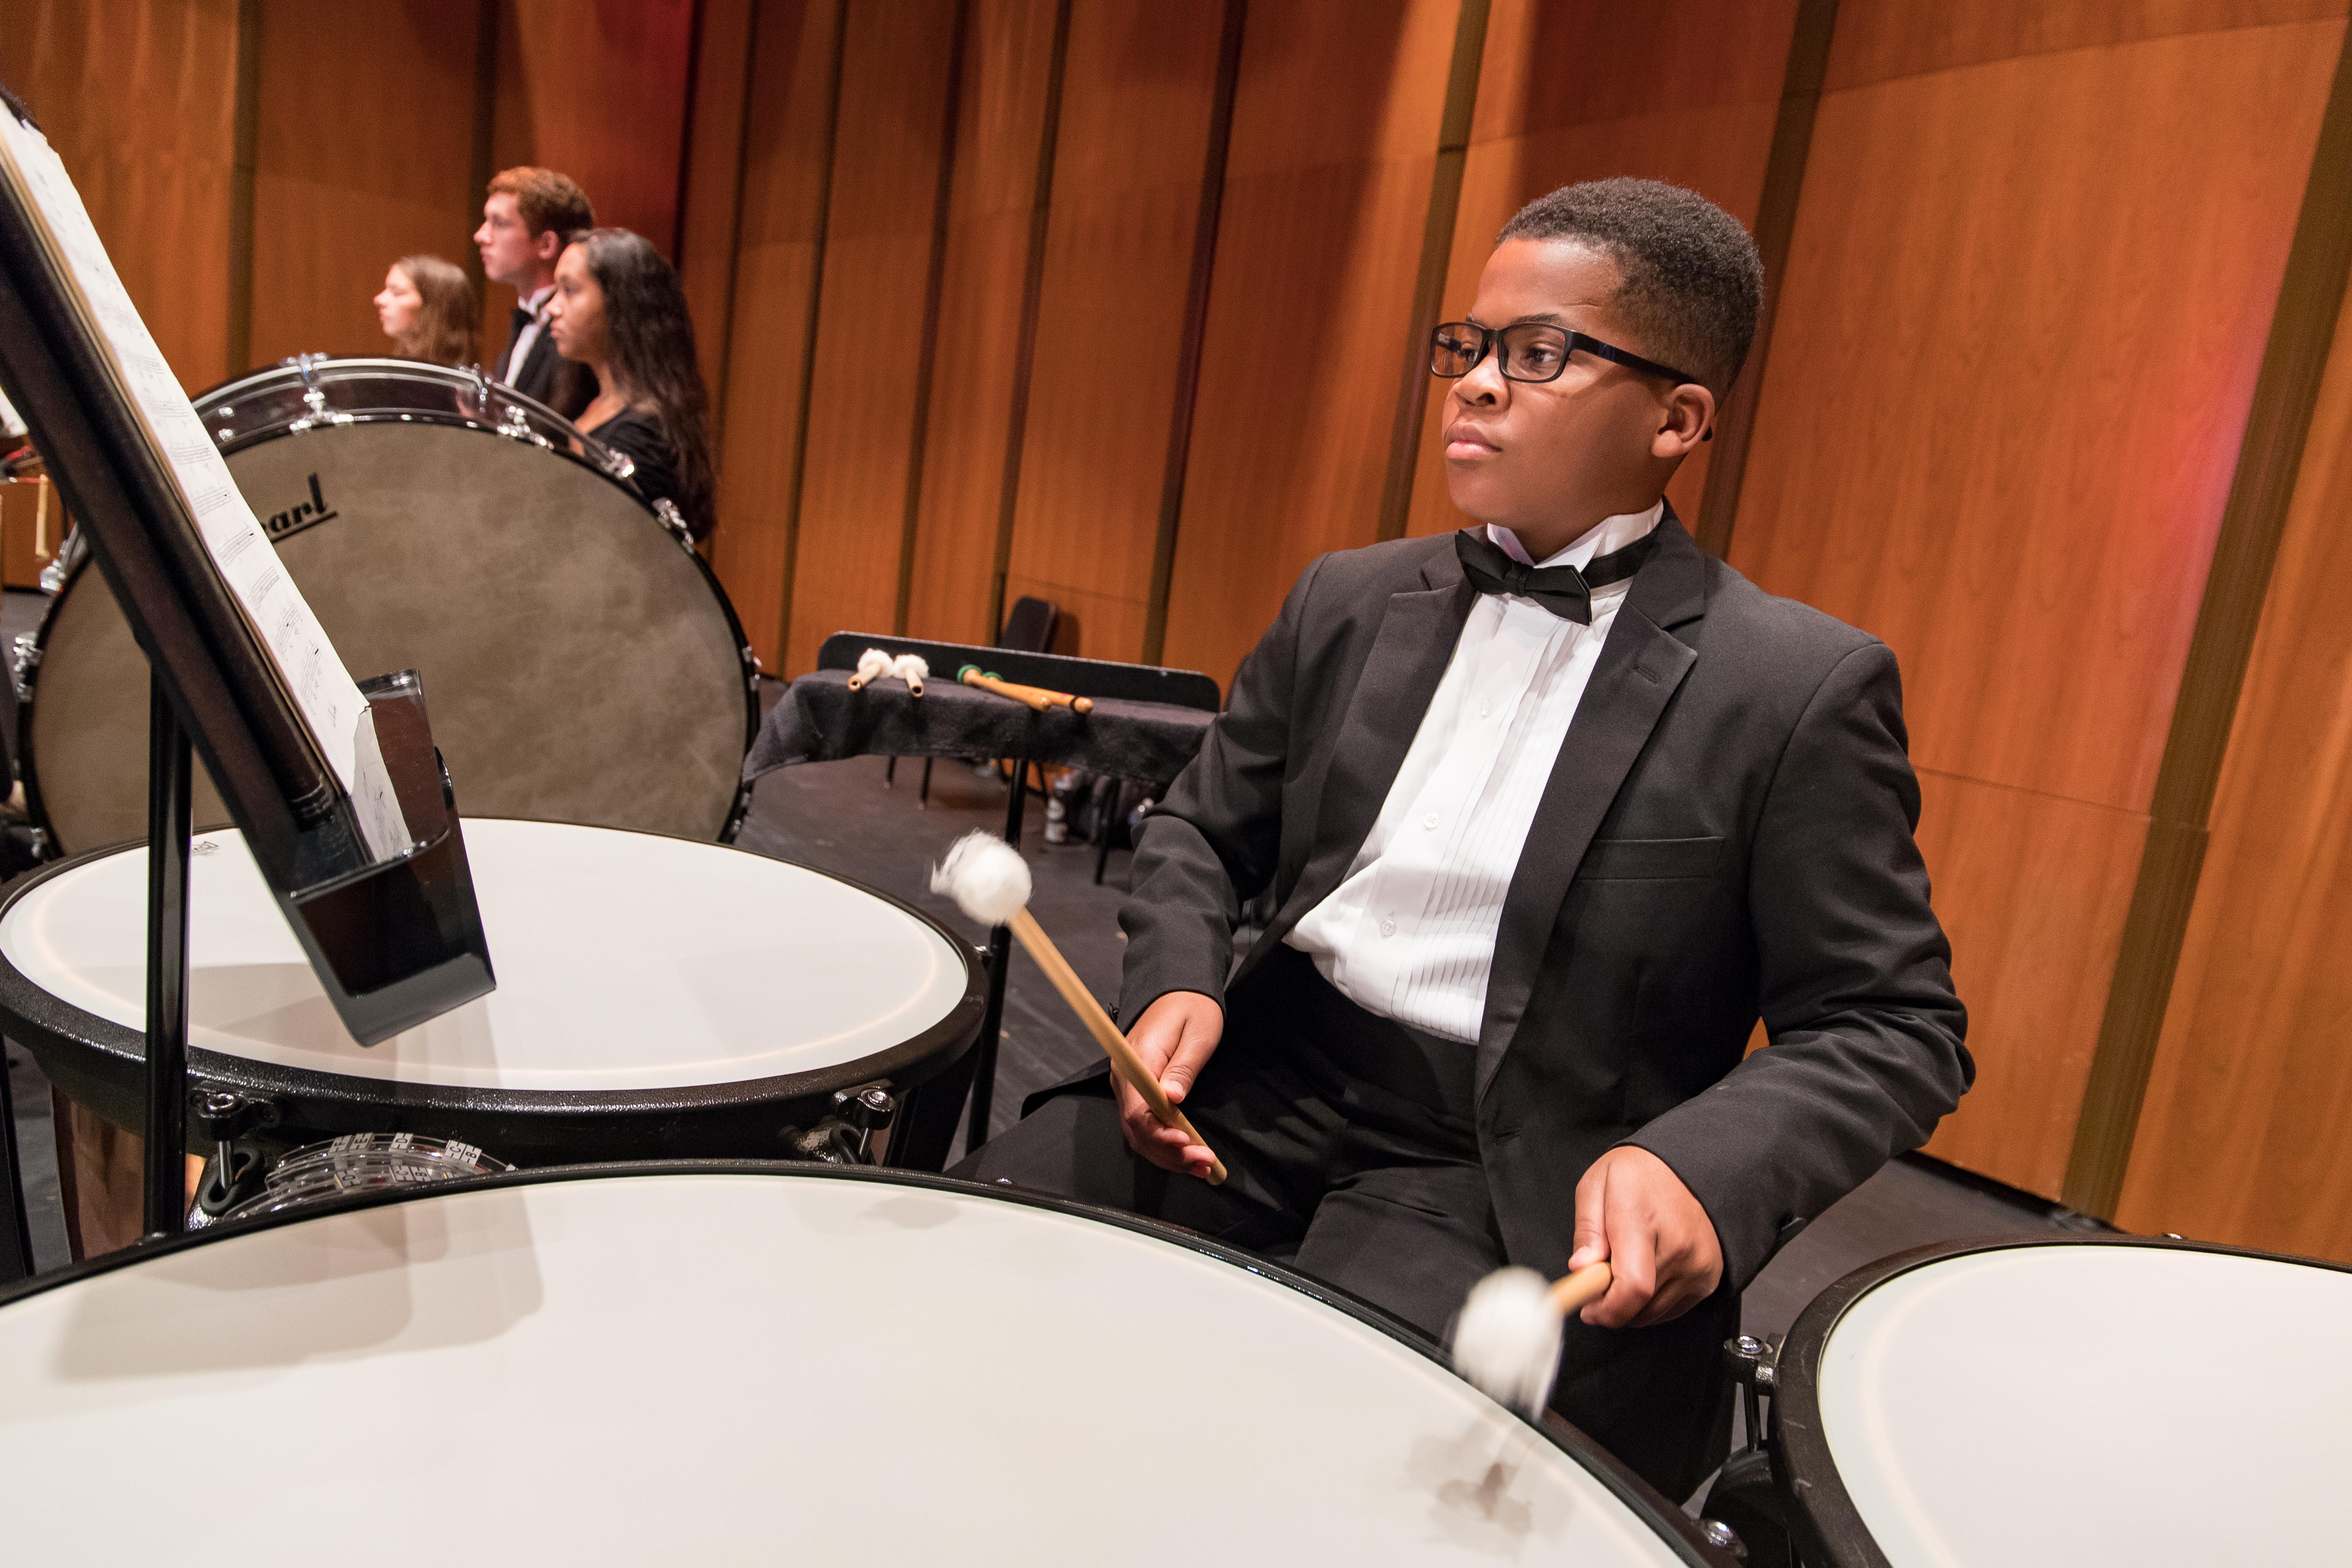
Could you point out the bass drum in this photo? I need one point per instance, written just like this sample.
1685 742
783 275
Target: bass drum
583 663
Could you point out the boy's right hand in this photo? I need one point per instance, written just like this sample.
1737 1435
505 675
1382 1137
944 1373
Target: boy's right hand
1176 1036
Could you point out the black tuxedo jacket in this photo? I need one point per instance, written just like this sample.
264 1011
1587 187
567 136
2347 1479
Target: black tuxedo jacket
548 376
1726 832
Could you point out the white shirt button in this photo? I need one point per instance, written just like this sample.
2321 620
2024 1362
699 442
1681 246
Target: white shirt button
1430 821
1484 708
1388 928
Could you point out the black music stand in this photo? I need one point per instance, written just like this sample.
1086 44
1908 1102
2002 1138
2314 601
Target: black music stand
1146 724
368 871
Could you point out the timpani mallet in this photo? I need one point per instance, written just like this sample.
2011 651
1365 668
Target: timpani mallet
872 666
1507 1341
989 882
1036 697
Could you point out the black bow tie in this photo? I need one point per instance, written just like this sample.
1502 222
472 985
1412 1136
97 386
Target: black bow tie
1563 590
522 319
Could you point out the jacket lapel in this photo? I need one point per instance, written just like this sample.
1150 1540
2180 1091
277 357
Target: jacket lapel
1640 666
1408 659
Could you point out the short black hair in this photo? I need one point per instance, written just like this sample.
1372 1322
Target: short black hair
1694 282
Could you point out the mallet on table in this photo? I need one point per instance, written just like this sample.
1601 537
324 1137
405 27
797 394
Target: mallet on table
989 882
1507 1341
1036 697
876 664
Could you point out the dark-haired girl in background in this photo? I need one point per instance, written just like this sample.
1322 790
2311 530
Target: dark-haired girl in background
618 309
428 307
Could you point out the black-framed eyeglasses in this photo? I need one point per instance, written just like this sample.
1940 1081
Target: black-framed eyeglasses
1529 351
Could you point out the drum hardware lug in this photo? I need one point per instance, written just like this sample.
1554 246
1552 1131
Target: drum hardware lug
1754 1364
515 427
666 511
842 1137
1748 1506
218 1193
27 659
870 1108
1722 1538
618 464
221 1117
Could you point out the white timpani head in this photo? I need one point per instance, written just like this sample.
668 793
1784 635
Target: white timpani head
2069 1403
702 1366
624 961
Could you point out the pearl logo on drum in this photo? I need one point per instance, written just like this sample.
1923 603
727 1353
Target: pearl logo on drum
302 515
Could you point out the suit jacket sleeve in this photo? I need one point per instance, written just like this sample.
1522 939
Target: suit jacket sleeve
1856 991
1214 842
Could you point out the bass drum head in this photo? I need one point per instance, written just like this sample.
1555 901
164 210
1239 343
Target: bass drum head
578 665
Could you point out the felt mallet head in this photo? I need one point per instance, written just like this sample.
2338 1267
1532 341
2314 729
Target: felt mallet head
1507 1341
985 876
912 668
872 666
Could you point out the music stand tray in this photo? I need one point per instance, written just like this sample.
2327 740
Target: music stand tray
336 784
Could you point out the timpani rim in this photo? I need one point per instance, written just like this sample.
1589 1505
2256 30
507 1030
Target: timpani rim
41 1021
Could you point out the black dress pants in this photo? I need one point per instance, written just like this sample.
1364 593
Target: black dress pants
1352 1157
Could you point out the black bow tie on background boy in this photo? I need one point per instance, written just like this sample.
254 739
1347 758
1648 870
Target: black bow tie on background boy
1563 590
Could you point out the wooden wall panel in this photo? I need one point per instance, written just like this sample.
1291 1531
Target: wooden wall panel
2241 1137
1008 61
598 90
776 264
138 96
894 85
1127 190
354 169
1878 40
1335 132
595 88
2025 307
2020 877
1591 90
710 205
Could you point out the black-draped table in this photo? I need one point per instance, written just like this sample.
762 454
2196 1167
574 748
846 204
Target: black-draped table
820 719
1146 725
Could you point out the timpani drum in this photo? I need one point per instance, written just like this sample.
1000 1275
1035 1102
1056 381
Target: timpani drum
747 1364
2072 1401
585 664
656 997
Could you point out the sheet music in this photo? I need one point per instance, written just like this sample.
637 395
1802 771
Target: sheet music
323 688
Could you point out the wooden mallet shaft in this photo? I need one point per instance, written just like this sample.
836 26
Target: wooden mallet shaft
1123 1059
1578 1291
1036 696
